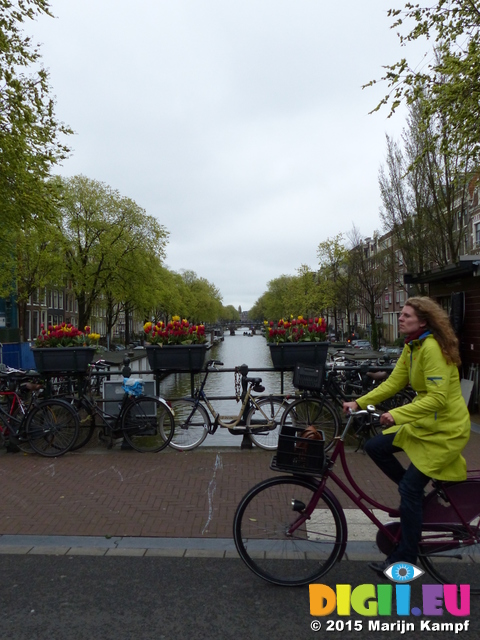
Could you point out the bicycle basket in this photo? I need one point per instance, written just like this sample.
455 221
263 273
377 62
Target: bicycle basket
308 377
133 387
300 450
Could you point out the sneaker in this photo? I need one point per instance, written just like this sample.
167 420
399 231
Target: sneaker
380 567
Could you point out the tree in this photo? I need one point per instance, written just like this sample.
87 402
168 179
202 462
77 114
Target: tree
230 314
204 301
452 78
332 258
305 297
105 235
32 263
30 134
289 296
424 191
369 267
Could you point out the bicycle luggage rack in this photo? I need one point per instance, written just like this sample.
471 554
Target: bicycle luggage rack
299 454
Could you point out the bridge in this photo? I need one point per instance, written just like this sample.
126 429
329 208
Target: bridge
250 327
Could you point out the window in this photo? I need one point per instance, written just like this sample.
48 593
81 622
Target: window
477 234
35 324
55 299
60 299
29 326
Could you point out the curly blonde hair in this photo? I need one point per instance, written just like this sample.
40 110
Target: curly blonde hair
438 322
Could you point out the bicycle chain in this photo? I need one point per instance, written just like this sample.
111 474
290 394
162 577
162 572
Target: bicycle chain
238 386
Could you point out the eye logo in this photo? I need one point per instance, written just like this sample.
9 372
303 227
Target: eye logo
403 572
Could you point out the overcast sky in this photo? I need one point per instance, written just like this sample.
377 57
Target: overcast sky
242 126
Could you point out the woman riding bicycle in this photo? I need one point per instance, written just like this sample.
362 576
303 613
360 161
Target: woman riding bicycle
433 430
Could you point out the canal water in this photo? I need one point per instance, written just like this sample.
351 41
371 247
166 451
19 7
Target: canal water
233 351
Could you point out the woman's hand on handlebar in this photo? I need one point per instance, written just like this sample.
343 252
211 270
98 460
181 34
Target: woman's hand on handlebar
350 406
387 419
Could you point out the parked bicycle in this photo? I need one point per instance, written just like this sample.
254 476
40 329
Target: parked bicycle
258 417
321 401
48 427
291 530
145 423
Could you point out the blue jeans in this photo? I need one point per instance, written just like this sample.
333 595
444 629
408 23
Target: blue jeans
411 483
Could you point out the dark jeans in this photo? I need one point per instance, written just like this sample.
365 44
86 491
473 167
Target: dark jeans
411 483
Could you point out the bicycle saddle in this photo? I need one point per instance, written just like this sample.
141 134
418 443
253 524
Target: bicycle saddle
378 375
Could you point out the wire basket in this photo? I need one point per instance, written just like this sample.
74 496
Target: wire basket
300 450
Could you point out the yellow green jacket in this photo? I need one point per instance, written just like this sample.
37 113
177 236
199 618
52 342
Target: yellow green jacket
434 429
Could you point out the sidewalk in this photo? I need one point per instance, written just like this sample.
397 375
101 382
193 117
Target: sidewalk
102 502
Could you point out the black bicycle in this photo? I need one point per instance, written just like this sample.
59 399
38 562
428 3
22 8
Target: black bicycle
145 423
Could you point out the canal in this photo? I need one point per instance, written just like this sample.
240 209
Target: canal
233 351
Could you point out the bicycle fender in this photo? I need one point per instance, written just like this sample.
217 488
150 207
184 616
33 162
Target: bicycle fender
166 405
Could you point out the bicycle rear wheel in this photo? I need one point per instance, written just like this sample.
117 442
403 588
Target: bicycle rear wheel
191 424
450 551
457 559
315 412
264 419
264 542
147 424
52 427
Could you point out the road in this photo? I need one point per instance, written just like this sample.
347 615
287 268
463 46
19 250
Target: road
127 598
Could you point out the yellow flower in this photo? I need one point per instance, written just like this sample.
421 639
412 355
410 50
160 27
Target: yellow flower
147 326
175 318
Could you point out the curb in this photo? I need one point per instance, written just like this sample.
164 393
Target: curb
146 547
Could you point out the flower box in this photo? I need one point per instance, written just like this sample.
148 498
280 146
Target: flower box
63 359
181 357
287 354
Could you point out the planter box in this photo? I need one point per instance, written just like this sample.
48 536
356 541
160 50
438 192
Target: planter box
63 359
287 354
181 357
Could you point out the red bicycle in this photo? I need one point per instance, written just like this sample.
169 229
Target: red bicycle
46 426
291 530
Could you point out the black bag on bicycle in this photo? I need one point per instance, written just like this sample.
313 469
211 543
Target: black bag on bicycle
308 377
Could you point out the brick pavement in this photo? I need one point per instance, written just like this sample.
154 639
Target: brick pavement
170 494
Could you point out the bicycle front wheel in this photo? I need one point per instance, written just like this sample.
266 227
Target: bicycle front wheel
52 427
86 418
264 420
314 412
262 535
147 424
191 424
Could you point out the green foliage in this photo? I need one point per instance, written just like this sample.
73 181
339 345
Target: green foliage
203 299
288 296
30 134
230 314
109 244
451 80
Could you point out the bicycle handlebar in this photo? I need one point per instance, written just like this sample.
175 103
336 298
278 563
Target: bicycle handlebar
370 410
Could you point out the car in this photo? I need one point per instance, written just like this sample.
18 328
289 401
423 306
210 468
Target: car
362 344
391 351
